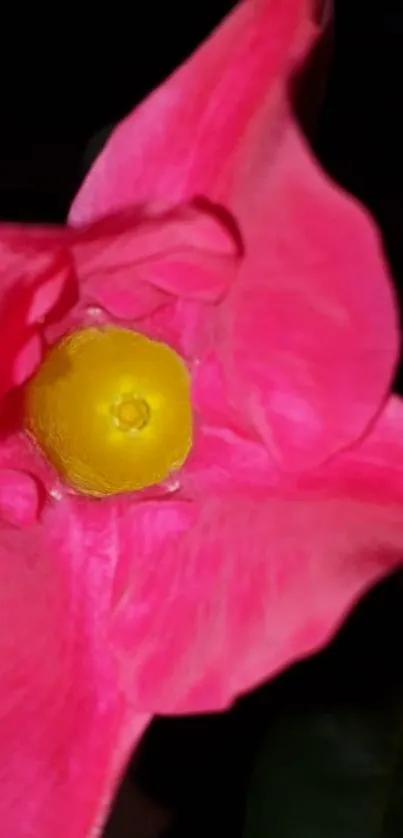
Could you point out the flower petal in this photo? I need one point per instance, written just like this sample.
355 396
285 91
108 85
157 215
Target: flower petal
184 138
311 311
19 497
224 454
221 459
131 263
256 582
373 469
35 272
26 360
66 730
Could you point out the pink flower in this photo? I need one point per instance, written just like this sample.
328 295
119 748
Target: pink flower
260 515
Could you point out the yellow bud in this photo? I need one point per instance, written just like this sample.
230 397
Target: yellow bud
111 410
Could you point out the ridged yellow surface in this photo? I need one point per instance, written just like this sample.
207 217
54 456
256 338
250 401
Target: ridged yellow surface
111 410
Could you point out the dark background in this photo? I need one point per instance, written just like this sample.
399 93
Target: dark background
63 78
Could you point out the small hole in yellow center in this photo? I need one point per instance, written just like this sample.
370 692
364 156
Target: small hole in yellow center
111 410
131 413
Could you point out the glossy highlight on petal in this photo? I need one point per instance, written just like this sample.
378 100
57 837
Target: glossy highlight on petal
111 410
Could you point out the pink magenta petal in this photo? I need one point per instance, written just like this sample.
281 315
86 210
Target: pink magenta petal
46 296
222 459
166 607
124 293
66 729
19 498
256 582
373 468
205 279
128 263
27 253
185 137
26 360
185 324
313 310
36 269
25 464
132 237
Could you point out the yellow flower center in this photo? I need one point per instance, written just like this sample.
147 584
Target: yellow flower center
111 410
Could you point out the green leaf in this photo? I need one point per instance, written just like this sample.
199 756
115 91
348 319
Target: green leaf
334 772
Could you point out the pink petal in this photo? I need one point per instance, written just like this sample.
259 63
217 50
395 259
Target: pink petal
66 729
27 252
35 272
20 456
168 608
184 324
225 452
313 308
123 293
183 139
223 459
373 469
205 279
255 583
210 394
26 360
188 252
19 498
140 234
311 311
46 296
